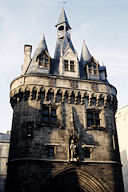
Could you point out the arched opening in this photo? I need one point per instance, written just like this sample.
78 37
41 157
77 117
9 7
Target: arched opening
72 180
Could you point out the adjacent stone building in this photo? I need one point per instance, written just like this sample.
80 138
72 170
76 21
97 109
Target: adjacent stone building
63 130
122 129
4 149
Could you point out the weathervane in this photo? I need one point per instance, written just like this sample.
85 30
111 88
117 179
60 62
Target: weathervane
63 2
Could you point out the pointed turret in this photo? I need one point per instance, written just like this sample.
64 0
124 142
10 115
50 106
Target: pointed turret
63 18
34 64
42 45
63 26
85 55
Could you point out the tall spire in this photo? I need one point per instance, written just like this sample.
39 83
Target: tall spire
63 18
85 55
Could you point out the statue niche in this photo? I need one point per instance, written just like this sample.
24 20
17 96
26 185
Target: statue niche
74 148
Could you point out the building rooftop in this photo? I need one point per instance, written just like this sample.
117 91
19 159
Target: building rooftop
4 137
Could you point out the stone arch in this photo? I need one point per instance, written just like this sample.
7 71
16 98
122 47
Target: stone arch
66 96
73 180
79 97
33 93
26 93
93 99
109 102
86 99
41 94
50 95
72 97
58 98
20 93
101 100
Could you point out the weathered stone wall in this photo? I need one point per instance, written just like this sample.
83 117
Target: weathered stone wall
29 164
122 129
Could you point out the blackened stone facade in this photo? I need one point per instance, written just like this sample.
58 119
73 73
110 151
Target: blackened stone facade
63 131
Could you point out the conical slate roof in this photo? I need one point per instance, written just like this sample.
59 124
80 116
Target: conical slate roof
85 55
63 18
41 47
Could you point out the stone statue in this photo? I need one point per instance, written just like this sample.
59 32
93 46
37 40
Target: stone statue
72 150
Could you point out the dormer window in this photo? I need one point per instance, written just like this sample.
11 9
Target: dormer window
92 68
44 60
69 65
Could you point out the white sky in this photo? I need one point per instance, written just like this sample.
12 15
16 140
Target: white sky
102 24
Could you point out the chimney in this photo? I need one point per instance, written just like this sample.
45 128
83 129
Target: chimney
27 57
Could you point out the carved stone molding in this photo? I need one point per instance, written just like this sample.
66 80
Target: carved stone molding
94 87
74 84
52 82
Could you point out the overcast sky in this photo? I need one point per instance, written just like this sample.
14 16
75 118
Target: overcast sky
103 24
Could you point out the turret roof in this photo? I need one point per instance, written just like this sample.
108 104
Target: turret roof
63 18
41 47
85 55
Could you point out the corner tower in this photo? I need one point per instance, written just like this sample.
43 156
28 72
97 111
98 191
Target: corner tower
63 134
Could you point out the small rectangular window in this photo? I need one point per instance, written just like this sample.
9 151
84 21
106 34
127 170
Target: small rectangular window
89 66
50 151
71 65
49 114
94 66
66 65
44 62
93 119
87 152
40 59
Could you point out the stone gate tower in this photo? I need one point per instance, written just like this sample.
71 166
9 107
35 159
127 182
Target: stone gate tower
63 131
